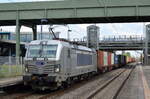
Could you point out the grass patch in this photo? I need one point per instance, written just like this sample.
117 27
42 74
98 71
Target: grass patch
10 71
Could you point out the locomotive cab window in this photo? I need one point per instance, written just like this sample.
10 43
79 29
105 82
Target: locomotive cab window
34 51
49 51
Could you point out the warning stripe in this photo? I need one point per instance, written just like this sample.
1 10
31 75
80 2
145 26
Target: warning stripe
145 85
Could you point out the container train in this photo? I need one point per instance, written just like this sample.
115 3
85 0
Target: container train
54 63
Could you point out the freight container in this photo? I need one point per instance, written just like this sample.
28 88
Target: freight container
120 60
102 61
112 62
109 60
133 60
123 60
106 59
112 59
128 59
116 60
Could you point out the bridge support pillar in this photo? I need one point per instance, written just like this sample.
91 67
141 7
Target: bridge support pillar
34 29
17 38
147 47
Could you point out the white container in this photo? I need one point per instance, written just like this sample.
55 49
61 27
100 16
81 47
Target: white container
112 59
105 59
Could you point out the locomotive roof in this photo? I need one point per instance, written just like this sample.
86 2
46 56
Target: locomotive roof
67 44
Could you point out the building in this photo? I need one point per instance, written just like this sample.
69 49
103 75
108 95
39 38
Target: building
93 36
26 36
5 35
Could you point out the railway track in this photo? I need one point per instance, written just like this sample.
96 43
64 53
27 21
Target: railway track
79 86
71 93
85 93
114 95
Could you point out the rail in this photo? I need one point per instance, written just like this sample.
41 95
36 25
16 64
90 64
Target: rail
92 95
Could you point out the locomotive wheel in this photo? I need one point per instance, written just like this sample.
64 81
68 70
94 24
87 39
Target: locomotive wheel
66 84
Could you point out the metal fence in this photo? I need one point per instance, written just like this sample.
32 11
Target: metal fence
123 38
9 67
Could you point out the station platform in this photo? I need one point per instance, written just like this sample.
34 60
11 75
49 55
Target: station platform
138 84
5 82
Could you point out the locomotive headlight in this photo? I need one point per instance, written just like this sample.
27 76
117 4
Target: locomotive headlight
26 69
57 68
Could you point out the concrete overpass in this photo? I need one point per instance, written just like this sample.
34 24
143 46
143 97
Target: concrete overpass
75 11
121 45
120 42
72 12
124 45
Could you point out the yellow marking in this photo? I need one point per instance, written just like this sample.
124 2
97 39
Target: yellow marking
145 85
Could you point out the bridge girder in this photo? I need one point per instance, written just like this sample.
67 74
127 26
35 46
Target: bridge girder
76 11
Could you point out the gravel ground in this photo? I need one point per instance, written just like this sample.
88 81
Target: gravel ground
79 90
85 90
110 91
133 89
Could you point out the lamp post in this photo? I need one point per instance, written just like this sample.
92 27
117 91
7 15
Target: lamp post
68 32
42 21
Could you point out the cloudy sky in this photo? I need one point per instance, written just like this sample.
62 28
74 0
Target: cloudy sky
79 30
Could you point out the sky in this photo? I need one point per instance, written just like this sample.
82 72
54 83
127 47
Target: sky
79 30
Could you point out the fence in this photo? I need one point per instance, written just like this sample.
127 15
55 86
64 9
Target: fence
9 67
123 38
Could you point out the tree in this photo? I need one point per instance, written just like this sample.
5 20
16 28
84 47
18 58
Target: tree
127 54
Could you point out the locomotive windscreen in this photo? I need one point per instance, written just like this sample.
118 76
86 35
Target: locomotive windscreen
48 51
34 51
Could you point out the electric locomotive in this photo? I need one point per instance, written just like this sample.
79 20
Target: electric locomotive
54 63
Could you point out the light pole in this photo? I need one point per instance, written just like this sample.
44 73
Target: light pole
68 32
42 21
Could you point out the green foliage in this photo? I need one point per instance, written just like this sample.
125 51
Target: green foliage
127 54
10 71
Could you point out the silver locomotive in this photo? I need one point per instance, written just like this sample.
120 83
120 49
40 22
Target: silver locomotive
54 63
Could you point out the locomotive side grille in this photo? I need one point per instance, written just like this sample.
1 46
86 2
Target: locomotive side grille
45 69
